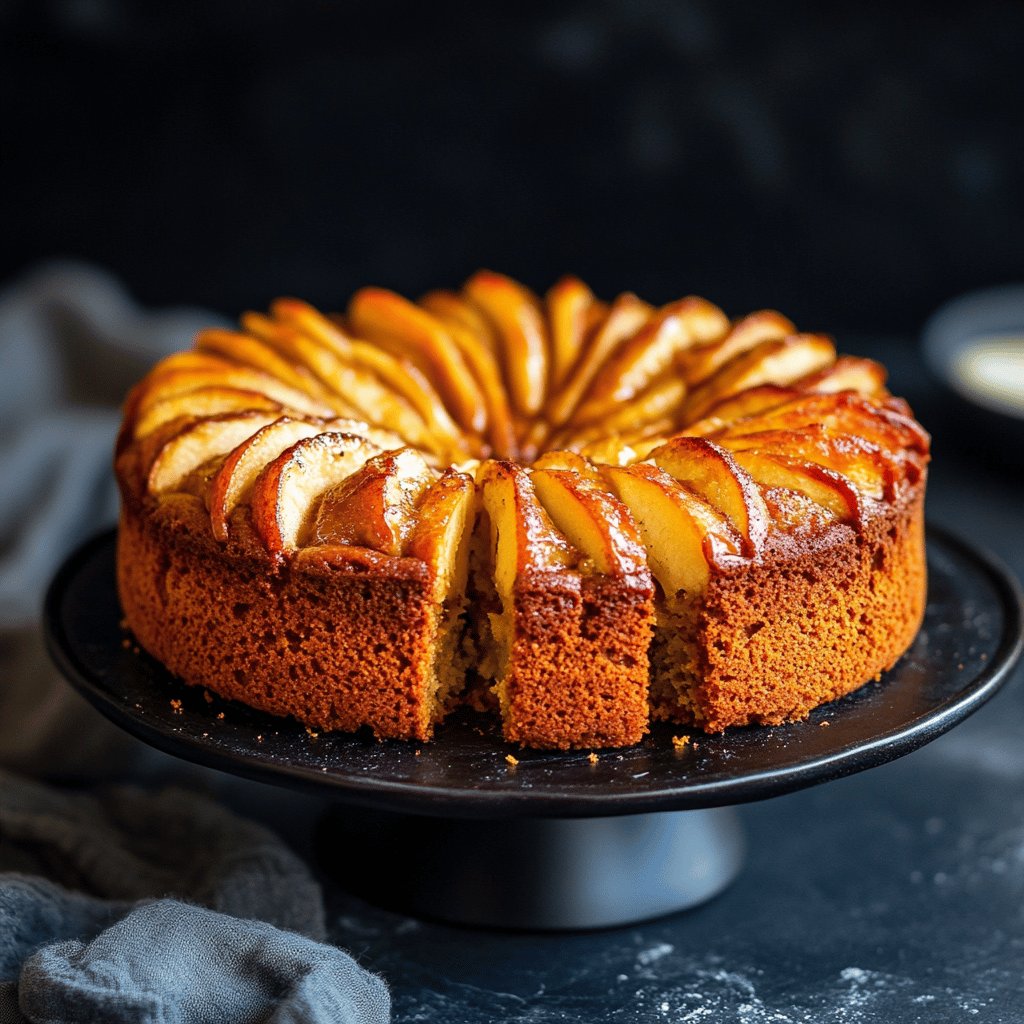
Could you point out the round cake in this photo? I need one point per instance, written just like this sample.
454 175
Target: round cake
577 515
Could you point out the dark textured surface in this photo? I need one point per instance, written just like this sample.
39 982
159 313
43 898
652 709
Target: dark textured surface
853 165
970 638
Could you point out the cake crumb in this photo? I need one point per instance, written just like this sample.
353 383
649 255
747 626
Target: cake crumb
592 758
220 715
681 743
418 752
126 643
311 734
176 705
207 696
824 725
512 760
259 738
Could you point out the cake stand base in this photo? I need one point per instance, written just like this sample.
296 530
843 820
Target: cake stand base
535 873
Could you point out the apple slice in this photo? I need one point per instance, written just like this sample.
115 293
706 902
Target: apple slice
848 373
366 395
200 403
287 490
823 486
441 536
523 538
699 363
683 534
452 308
594 521
845 412
163 383
662 401
570 313
516 314
574 462
257 354
376 506
233 482
198 444
406 330
724 412
650 353
855 458
625 317
402 376
771 362
713 473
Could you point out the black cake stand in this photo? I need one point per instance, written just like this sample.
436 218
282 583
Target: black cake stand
546 839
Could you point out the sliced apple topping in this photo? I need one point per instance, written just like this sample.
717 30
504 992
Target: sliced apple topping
594 521
626 316
855 458
407 330
660 404
200 402
823 486
572 461
444 520
163 383
683 534
523 537
376 506
714 474
408 383
516 315
256 353
848 373
650 353
232 483
198 444
697 364
571 313
741 405
286 492
771 362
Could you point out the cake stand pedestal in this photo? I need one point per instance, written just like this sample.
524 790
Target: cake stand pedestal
453 830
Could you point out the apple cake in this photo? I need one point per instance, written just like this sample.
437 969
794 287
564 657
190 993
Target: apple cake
577 515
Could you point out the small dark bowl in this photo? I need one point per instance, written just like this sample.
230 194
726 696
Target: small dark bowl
988 429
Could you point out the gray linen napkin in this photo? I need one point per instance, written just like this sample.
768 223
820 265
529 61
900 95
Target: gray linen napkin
87 931
121 904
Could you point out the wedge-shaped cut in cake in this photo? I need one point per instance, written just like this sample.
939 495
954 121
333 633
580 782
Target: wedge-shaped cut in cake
376 506
571 665
714 474
287 491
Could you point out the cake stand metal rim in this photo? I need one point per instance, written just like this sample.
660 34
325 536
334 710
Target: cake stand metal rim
469 802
